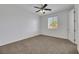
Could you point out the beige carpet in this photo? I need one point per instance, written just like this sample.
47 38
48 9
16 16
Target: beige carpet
40 45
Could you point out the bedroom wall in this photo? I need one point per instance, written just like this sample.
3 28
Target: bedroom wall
16 23
61 31
77 25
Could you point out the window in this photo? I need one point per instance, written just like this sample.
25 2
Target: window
52 22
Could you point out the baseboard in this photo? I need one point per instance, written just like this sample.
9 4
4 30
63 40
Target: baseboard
25 37
29 36
59 37
53 36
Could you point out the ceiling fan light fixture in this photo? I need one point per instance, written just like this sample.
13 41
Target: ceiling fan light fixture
42 11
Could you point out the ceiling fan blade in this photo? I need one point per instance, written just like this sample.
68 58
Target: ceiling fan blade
37 7
44 6
38 11
48 9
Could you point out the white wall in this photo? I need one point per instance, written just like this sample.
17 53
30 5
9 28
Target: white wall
16 24
71 25
77 25
62 29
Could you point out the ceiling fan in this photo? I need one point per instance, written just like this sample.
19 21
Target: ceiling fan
42 8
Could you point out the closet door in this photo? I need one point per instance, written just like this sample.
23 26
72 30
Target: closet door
71 35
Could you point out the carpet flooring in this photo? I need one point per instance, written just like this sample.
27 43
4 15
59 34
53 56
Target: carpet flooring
40 44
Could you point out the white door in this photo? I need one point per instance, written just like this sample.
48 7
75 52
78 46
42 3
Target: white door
71 25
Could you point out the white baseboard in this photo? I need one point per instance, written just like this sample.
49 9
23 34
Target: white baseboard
25 37
53 36
28 36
